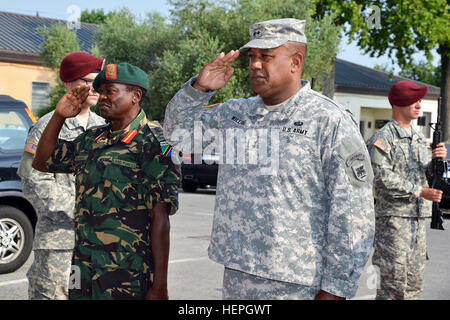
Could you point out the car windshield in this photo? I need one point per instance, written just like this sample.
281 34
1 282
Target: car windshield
13 131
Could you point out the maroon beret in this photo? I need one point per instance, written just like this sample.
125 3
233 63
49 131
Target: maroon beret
78 64
405 93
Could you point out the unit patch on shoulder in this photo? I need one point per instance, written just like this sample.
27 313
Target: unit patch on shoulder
380 145
31 147
360 172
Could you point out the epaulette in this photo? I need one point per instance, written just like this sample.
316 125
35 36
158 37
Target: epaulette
157 131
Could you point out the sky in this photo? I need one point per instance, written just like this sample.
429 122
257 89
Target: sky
65 9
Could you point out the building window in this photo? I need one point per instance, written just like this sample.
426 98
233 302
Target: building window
40 95
426 130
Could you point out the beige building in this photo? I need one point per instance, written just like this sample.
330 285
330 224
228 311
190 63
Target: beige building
22 75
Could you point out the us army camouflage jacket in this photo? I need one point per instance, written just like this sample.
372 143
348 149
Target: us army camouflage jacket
120 177
52 195
294 193
400 162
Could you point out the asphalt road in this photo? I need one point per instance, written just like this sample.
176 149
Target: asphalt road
192 276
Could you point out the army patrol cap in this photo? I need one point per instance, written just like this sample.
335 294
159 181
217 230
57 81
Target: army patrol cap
404 93
124 73
274 33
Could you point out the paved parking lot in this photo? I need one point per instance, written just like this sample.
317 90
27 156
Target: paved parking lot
192 276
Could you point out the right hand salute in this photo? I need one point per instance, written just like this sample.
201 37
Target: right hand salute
70 104
217 73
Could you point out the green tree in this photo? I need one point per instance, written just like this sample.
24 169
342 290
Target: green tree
96 16
58 41
171 51
423 71
405 27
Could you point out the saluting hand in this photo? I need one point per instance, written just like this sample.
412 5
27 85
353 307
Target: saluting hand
217 73
70 104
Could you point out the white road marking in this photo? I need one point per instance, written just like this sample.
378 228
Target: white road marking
188 260
10 283
24 280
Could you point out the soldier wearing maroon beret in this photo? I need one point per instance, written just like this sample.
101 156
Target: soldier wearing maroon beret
53 194
126 188
400 158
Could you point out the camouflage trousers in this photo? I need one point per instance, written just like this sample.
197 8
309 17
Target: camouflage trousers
238 285
108 275
48 276
400 254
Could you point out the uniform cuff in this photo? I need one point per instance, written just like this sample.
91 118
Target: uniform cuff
195 94
416 194
338 287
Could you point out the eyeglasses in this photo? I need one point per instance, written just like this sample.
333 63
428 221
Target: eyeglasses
88 82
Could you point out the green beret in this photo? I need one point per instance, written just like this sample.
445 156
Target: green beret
121 73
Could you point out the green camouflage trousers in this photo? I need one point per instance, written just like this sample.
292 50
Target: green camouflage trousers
400 253
48 276
238 285
109 275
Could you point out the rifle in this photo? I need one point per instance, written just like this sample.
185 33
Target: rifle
437 171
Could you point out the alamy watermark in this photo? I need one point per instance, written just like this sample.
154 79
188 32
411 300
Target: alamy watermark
74 20
233 146
75 278
374 21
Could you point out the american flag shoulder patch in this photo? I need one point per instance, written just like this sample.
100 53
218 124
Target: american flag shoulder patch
31 147
380 145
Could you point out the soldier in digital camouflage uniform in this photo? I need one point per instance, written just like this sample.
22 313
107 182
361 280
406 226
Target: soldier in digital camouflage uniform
299 223
53 195
126 187
400 158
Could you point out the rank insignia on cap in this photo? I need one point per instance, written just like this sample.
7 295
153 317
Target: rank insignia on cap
111 72
380 145
31 147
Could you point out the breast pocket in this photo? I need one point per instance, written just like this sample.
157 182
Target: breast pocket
424 155
122 177
400 157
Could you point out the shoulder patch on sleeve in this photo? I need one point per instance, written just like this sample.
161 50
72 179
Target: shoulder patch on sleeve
356 162
380 145
30 147
157 130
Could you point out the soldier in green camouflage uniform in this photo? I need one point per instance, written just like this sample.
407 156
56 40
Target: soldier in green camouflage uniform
126 186
53 194
400 157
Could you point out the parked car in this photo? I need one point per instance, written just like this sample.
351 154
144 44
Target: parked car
17 215
199 170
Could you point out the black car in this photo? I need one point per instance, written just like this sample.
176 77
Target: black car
17 215
199 170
